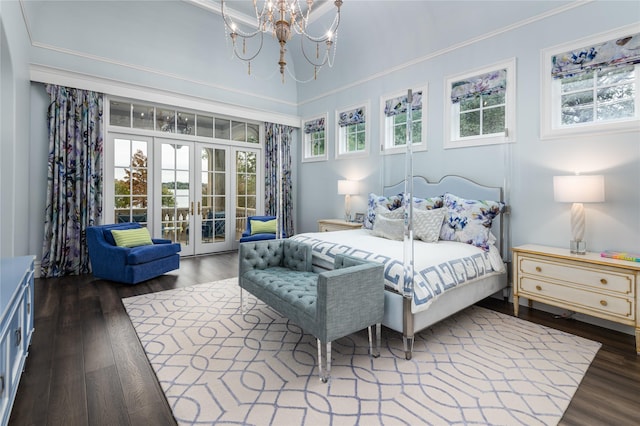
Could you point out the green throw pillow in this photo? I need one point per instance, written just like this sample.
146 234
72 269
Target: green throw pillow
132 237
263 227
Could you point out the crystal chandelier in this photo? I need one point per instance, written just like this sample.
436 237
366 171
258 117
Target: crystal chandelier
284 18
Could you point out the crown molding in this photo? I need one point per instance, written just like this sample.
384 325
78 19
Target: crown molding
51 75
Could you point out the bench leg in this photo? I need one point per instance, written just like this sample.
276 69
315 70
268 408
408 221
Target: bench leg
375 353
244 302
324 360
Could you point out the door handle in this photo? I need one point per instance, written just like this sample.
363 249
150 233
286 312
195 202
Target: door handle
198 208
192 208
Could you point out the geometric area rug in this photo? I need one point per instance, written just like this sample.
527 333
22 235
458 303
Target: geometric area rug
217 366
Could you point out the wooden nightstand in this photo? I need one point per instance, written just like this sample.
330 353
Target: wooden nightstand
589 284
327 225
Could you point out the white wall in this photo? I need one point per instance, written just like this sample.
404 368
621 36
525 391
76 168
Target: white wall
14 135
536 218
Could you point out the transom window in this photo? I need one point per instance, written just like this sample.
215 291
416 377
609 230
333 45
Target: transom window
394 121
173 120
591 86
314 139
481 106
352 137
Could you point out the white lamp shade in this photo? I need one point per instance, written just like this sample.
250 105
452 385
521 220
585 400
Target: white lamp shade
578 189
347 187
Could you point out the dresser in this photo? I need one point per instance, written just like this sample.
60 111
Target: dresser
589 284
16 326
327 225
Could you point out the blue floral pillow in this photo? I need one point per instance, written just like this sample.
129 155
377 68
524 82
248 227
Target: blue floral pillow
469 221
390 203
428 203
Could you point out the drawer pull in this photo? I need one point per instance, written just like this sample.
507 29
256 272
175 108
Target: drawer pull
538 269
18 336
539 288
603 302
603 281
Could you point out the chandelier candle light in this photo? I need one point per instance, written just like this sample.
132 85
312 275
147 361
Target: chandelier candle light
284 18
578 189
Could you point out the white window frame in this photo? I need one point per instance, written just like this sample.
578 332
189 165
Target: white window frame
387 124
550 99
341 133
307 140
452 110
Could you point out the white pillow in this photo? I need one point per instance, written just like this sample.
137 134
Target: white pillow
390 214
391 229
427 224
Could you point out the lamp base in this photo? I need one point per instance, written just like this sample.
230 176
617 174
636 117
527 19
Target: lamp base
578 247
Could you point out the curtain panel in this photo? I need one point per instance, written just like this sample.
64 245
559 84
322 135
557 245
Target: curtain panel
613 53
313 126
74 187
354 116
398 105
278 184
484 84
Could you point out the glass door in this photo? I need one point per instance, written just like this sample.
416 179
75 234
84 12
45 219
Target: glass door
212 201
176 205
194 201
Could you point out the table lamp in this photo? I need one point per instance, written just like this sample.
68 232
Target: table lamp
578 189
347 188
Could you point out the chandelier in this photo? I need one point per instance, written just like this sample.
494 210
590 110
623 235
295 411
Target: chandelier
284 18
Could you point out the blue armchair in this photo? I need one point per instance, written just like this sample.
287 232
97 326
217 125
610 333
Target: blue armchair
129 265
247 235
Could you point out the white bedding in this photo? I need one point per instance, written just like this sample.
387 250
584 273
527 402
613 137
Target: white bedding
437 266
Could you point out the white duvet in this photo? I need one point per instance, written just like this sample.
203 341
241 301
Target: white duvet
438 267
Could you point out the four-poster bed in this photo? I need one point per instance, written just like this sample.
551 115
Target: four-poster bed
447 276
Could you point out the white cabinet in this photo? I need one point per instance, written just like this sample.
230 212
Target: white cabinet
16 326
589 284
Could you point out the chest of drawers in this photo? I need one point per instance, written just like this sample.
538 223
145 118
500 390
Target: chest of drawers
16 326
589 284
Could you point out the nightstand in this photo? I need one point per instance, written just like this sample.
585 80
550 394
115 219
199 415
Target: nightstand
327 225
589 284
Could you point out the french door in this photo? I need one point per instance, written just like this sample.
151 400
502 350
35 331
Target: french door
197 194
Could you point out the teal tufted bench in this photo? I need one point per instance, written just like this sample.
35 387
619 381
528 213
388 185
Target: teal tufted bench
329 305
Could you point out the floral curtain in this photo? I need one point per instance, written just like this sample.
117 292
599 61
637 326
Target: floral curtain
273 188
619 52
313 126
398 105
74 191
353 116
484 84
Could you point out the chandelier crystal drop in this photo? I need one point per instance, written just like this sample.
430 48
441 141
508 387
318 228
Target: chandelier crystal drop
283 18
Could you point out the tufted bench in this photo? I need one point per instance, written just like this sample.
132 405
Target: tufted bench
329 305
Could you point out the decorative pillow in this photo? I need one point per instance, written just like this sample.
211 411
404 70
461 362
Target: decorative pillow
263 226
131 237
427 203
427 224
391 229
469 221
390 214
390 203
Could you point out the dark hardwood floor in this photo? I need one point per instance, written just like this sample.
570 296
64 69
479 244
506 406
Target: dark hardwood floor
87 367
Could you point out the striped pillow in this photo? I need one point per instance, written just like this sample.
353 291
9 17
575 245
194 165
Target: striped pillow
132 237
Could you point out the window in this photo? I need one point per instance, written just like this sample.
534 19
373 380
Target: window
352 134
314 139
394 121
172 120
480 108
592 85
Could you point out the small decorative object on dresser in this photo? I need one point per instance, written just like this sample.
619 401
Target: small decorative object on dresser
590 284
359 218
327 225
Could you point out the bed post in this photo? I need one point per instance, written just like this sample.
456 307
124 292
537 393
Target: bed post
407 327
